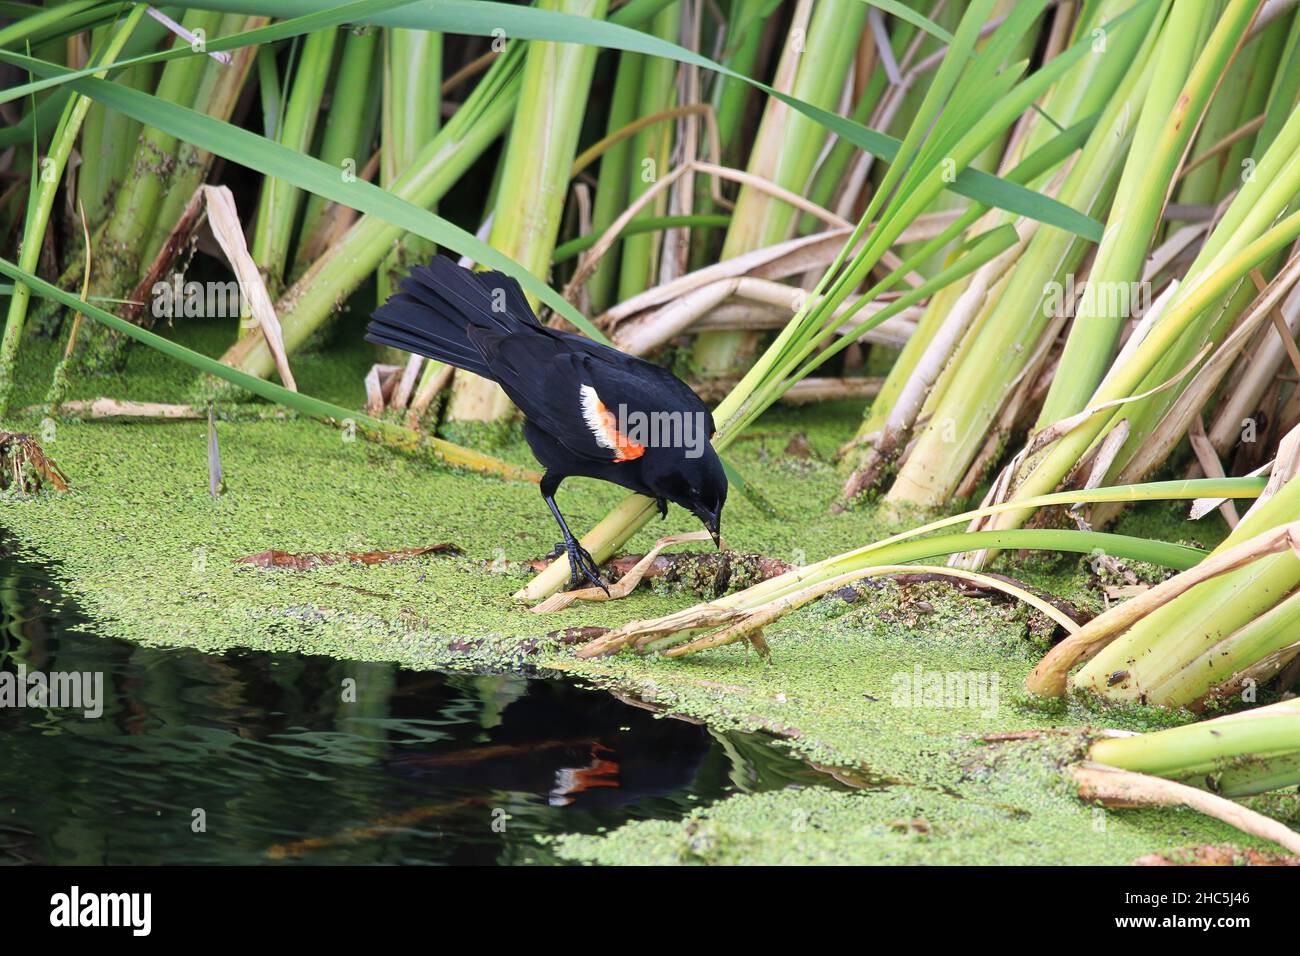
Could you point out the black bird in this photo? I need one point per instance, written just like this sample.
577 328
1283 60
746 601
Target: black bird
590 410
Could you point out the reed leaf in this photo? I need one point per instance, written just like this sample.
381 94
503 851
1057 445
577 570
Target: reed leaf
482 18
387 433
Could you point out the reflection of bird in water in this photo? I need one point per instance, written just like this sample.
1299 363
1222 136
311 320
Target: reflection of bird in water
571 747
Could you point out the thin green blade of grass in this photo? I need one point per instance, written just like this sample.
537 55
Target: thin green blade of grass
978 252
385 432
915 18
334 16
57 20
485 18
307 172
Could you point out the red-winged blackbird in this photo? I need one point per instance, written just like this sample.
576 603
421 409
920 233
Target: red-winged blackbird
590 410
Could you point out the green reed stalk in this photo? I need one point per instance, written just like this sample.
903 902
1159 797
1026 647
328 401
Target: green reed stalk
119 253
616 174
1248 234
1286 87
1179 653
107 143
1180 89
1003 342
411 116
743 46
280 201
349 123
1084 91
648 158
919 544
786 152
49 173
218 95
535 174
345 265
1243 94
1234 756
305 306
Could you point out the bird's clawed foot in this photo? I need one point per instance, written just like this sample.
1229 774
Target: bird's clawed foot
583 568
663 507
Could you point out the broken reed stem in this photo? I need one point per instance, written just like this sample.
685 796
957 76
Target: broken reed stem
1049 678
635 508
758 619
624 585
1237 755
1124 788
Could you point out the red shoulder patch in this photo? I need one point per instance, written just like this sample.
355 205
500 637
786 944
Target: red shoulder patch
604 427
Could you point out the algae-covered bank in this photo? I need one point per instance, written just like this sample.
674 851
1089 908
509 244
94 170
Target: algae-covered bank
152 557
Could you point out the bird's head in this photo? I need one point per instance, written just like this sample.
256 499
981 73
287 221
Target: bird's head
699 485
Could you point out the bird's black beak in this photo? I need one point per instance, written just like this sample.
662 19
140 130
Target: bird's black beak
713 524
712 521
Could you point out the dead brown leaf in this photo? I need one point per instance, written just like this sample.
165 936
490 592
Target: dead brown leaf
272 558
799 447
1210 854
918 826
24 467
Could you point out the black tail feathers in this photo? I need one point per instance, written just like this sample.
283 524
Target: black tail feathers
437 305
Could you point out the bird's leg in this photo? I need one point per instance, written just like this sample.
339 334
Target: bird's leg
581 564
663 507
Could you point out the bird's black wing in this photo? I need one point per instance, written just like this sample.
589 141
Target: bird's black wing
584 397
643 385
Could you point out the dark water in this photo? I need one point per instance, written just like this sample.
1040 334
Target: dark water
254 757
